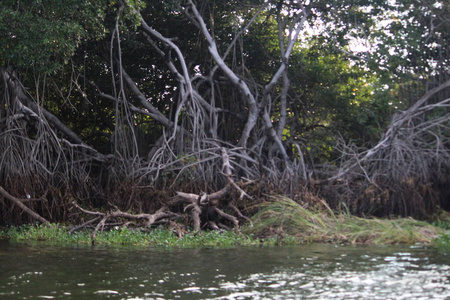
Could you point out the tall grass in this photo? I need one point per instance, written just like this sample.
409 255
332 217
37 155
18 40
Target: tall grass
284 217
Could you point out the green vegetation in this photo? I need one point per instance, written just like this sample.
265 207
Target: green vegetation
281 221
119 105
442 242
59 234
44 35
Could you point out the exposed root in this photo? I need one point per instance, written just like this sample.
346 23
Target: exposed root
204 211
207 210
406 173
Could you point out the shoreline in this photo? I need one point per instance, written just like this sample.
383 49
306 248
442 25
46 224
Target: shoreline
398 232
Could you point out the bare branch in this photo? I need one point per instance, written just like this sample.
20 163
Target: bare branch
19 203
235 80
396 146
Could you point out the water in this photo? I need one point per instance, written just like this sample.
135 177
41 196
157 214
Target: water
304 272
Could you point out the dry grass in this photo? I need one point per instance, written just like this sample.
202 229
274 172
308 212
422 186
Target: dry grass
283 216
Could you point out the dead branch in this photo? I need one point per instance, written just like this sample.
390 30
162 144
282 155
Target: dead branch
162 213
397 150
19 203
84 225
229 217
207 206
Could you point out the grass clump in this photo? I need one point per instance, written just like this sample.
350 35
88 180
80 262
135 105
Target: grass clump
442 242
45 232
285 217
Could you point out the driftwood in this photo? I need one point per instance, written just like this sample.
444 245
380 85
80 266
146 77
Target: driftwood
203 210
102 219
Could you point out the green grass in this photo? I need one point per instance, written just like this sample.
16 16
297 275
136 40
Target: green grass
59 234
442 242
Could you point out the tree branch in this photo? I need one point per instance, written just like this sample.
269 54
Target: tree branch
22 206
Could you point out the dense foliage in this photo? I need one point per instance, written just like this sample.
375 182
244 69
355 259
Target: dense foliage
108 101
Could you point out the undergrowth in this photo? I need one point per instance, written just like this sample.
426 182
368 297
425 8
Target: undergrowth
284 217
59 234
279 221
442 242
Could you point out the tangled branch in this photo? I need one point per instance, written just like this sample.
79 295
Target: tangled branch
416 144
203 210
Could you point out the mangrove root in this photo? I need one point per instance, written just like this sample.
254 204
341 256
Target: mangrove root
203 210
206 210
19 203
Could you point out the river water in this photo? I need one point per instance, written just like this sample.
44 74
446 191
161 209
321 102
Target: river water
315 271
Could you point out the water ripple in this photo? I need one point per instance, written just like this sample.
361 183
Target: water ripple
306 272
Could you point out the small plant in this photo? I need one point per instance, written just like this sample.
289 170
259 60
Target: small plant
442 242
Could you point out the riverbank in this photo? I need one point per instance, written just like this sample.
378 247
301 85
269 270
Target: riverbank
426 234
284 216
124 236
278 222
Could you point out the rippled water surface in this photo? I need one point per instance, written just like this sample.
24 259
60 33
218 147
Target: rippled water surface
303 272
